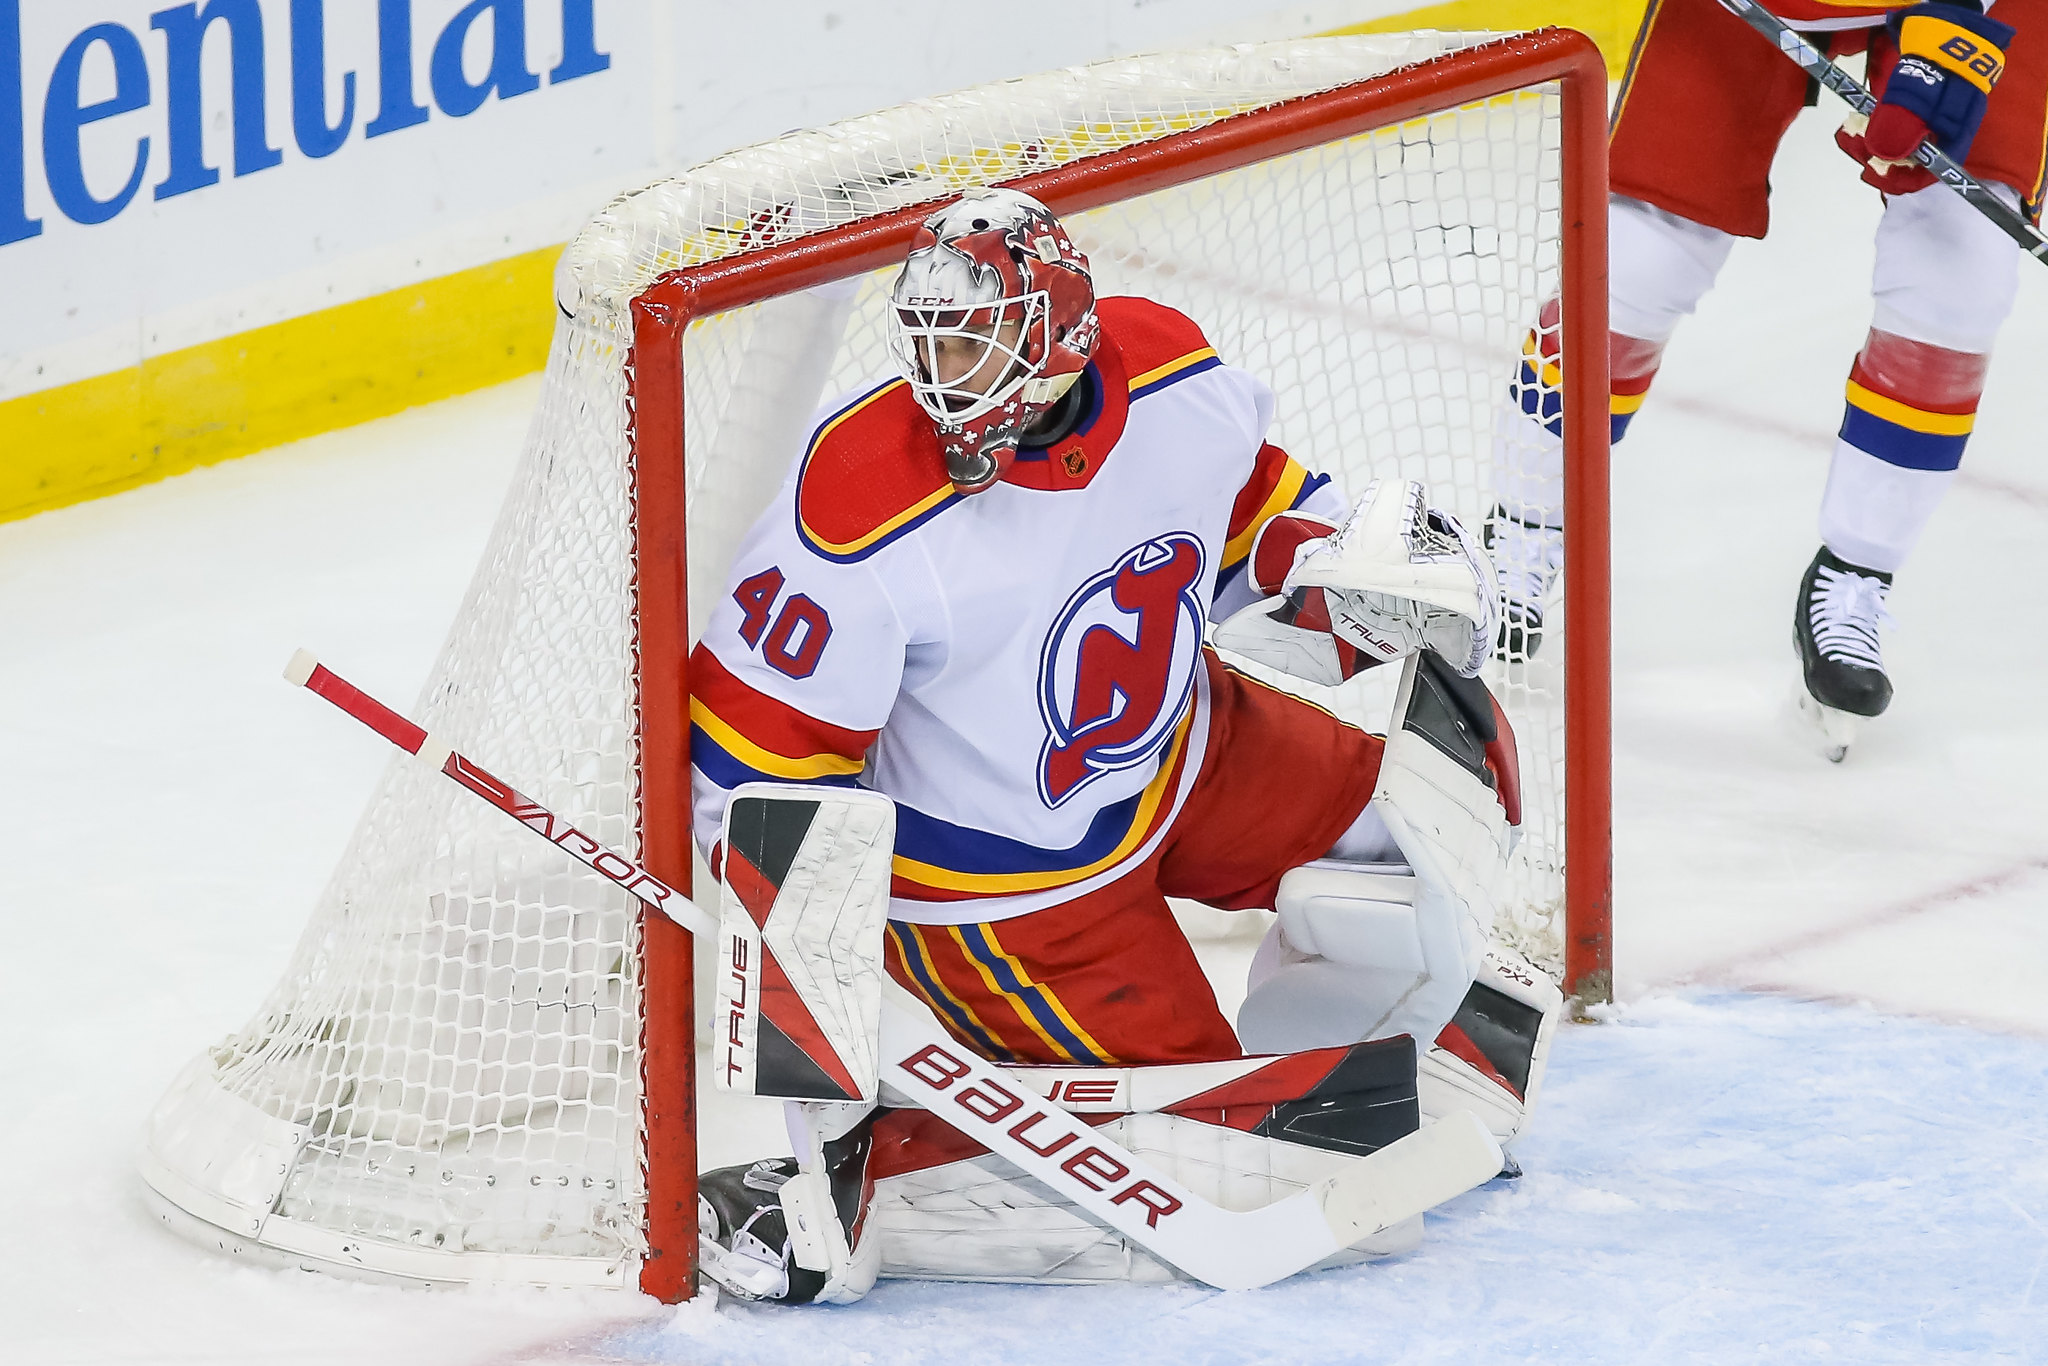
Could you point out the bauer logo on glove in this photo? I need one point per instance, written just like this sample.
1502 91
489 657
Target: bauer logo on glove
1948 57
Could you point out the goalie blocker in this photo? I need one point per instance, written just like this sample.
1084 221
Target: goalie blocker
936 1163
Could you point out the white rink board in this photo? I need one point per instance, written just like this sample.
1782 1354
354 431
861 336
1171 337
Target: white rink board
411 188
1725 1177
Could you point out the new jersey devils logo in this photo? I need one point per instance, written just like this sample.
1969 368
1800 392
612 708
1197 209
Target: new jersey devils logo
1119 663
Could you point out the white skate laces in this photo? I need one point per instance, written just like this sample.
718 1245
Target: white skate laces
1526 558
1845 612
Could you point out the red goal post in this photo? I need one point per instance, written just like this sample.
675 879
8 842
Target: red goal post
662 313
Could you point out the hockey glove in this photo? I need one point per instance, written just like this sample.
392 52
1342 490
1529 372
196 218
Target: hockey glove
1949 56
1401 576
1291 631
1398 577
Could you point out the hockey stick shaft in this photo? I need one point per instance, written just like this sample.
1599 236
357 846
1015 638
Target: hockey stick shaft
1229 1249
317 678
1224 1248
1945 168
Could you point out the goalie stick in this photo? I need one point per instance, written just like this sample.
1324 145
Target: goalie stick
309 673
1228 1249
1945 168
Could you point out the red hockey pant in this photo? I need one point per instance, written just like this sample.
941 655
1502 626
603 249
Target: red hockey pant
1108 977
1706 102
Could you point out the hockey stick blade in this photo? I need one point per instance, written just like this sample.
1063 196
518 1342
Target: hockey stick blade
309 673
1228 1249
1814 63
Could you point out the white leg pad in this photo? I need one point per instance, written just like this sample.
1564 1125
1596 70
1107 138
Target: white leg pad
1448 824
981 1219
818 1238
1503 1091
1355 954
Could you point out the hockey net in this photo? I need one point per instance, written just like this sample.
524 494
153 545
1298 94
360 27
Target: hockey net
477 1065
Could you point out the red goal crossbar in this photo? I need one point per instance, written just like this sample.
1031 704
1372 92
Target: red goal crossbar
664 311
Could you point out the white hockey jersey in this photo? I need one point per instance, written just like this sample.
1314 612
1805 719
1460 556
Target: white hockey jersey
1020 670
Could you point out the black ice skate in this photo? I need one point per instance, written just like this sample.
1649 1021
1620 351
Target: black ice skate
1527 557
743 1240
1834 628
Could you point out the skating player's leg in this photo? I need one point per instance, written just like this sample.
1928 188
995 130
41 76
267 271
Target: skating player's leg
1698 119
1660 266
1944 283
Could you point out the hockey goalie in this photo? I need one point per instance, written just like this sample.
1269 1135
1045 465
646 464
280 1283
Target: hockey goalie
957 736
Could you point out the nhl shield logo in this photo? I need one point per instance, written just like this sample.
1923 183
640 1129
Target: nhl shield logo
1119 663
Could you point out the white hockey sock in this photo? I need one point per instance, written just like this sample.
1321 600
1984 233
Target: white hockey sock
1873 511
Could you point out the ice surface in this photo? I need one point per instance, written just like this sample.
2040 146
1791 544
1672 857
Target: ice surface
1715 1177
1720 1178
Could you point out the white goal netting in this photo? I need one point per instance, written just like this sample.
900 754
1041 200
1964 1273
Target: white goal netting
444 1084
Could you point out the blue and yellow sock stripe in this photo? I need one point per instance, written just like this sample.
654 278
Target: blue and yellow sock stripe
1621 410
1040 1010
1900 434
1538 387
1538 390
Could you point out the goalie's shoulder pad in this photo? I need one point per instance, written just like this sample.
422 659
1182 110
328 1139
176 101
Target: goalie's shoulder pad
871 474
1155 344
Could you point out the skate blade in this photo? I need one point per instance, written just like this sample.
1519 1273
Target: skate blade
1837 729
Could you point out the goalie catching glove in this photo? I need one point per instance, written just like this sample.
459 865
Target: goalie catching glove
1398 577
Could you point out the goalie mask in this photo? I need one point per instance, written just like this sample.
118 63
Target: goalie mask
993 320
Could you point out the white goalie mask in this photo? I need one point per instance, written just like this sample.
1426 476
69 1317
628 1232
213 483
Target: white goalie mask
993 321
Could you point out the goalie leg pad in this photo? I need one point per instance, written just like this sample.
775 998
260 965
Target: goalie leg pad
826 1204
794 1230
1356 953
1450 794
1366 952
1490 1059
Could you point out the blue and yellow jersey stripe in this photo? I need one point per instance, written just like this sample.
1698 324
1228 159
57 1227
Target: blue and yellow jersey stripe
954 862
715 744
923 509
1175 370
1287 493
